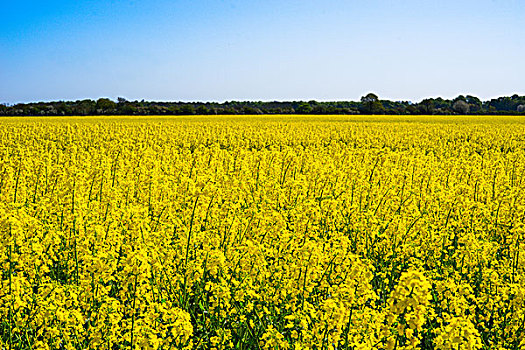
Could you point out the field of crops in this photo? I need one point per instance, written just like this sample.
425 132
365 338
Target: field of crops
266 232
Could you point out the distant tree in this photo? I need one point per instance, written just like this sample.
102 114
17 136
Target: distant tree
304 108
370 104
322 109
369 99
461 107
202 110
503 104
85 107
63 108
125 107
427 106
105 105
410 109
251 110
442 104
226 110
475 104
286 110
187 109
157 109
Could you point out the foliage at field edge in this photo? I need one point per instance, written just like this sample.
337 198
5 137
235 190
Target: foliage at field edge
368 104
262 234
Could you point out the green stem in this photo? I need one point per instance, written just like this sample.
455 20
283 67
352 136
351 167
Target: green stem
11 299
133 311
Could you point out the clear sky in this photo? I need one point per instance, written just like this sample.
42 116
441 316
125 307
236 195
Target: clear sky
260 50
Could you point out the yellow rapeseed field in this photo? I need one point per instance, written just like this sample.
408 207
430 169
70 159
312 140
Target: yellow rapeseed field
262 232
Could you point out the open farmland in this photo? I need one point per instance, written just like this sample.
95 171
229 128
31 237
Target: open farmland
263 232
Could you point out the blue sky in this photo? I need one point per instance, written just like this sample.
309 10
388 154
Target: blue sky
260 50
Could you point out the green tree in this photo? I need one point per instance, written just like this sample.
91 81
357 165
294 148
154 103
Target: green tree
304 108
427 106
105 105
461 107
202 110
187 109
251 110
85 107
370 104
475 104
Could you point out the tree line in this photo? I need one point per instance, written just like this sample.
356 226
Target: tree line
368 104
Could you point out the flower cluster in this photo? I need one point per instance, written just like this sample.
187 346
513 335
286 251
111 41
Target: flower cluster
274 232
